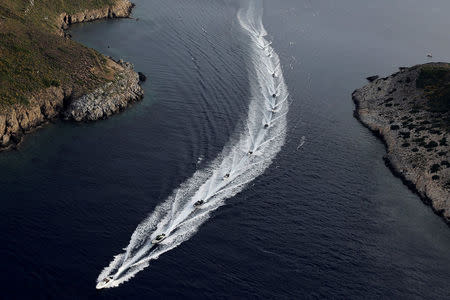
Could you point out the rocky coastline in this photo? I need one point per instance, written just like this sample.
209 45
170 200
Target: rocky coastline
121 9
416 137
56 102
108 99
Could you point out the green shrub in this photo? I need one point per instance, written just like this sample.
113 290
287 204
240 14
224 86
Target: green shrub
434 168
405 135
431 144
48 83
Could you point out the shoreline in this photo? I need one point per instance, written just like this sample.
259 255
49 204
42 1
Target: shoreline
392 109
63 102
394 170
122 9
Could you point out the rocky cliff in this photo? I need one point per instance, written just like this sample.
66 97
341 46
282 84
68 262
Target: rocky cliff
416 137
107 100
17 120
121 9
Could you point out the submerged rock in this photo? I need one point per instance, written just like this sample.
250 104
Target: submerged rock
142 77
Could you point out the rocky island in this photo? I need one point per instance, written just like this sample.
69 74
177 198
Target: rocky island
410 111
44 75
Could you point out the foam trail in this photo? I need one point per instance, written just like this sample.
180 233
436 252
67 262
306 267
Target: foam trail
245 157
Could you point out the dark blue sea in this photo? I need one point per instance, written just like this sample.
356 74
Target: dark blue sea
326 218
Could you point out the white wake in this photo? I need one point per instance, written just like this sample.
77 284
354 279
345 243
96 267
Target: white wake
243 159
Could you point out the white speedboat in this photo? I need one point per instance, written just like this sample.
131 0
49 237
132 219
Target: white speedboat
104 283
198 203
159 238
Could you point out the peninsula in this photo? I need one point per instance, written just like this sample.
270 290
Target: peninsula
44 75
410 111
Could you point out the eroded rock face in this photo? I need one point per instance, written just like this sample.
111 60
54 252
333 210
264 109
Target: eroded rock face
108 99
18 120
417 150
121 9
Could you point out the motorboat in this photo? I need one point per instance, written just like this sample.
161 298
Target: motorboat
159 238
104 283
199 202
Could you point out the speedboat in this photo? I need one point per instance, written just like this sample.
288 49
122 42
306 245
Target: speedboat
198 203
159 238
104 283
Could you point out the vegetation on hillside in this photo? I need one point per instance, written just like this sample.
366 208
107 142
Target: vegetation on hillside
34 56
435 80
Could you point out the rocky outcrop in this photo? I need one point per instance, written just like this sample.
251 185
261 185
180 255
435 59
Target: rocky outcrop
121 9
57 102
417 146
18 120
109 99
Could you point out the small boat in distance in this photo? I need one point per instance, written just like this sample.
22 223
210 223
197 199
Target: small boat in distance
159 238
104 283
198 203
